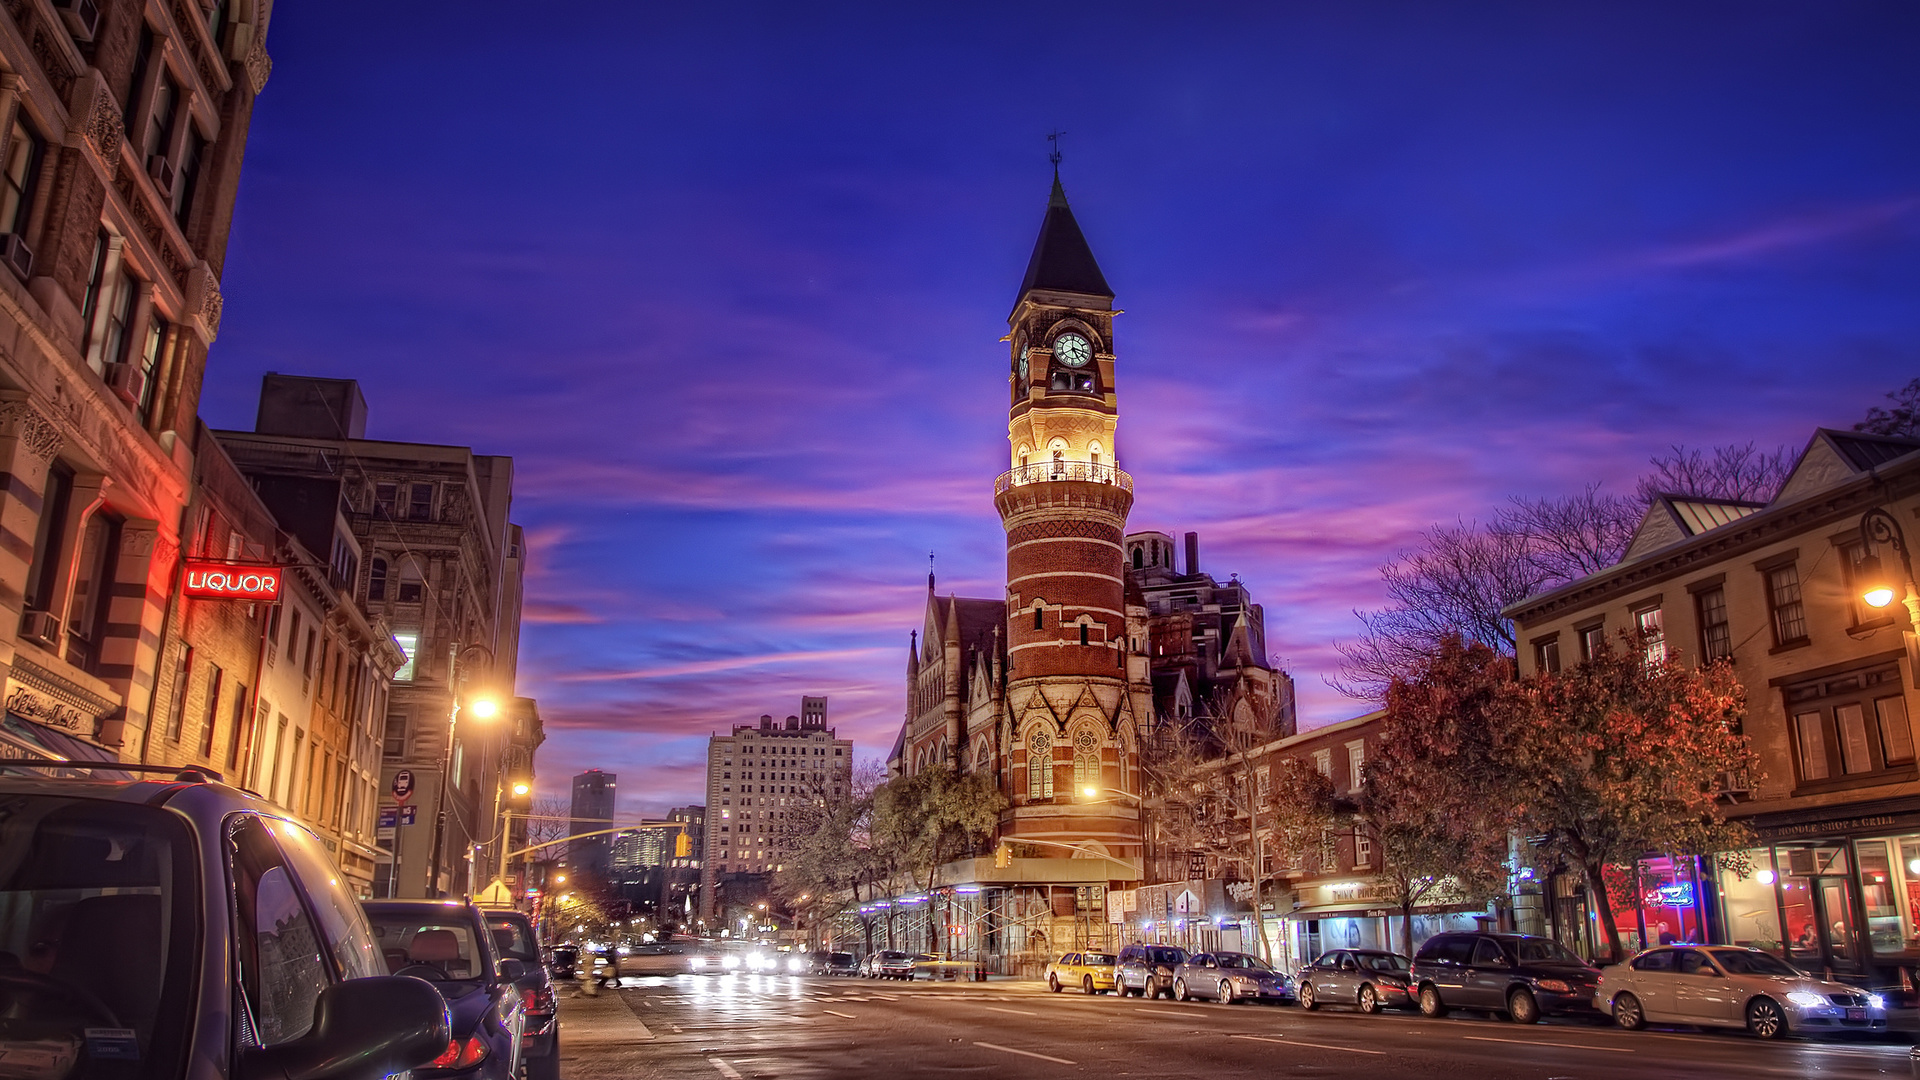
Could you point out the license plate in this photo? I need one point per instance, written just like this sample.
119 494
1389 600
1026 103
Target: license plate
1856 1014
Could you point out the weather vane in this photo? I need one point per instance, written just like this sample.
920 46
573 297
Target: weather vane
1053 155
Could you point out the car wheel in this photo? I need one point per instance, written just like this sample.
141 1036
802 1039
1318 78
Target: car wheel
1086 985
547 1065
1369 999
1522 1008
1307 999
1053 983
1628 1014
1180 990
1430 1003
1766 1018
1226 993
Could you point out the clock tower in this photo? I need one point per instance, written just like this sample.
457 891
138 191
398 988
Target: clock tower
1074 686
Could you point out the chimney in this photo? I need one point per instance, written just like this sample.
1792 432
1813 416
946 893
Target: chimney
1193 553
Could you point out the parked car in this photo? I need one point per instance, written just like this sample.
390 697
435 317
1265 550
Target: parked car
1092 972
1730 986
875 961
1228 977
564 961
447 943
178 927
1147 970
1523 976
514 939
1368 979
900 965
833 963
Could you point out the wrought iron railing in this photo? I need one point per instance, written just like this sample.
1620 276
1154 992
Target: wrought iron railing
1051 471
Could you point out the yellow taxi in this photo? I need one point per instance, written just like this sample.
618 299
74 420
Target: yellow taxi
1092 972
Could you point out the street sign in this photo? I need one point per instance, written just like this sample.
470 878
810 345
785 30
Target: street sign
402 785
389 815
407 814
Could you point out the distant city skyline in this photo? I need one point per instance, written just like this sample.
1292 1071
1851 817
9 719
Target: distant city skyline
1384 267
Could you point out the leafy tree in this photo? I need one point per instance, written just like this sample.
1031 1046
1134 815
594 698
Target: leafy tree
924 821
1431 795
1902 418
1619 756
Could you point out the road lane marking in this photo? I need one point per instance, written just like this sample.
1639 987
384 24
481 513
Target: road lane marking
648 1002
726 1070
1016 1012
849 1016
1317 1046
1563 1046
1025 1053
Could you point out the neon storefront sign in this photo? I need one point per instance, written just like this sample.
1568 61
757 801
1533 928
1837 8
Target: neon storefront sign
229 581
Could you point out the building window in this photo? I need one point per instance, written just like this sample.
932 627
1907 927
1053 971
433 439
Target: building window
377 579
1362 850
239 723
1323 763
411 588
41 574
1083 633
1040 766
1546 654
182 680
1856 721
186 177
1896 735
152 343
1716 636
1783 600
420 502
1653 635
214 678
159 129
409 642
1356 764
1593 641
1086 762
92 589
25 151
384 498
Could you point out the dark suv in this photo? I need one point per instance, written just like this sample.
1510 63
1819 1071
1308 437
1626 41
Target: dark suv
1524 976
167 928
1147 970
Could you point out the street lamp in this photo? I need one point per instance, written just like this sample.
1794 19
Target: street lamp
483 708
1876 580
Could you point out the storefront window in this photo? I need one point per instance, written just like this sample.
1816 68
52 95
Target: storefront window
1890 893
1752 909
1813 884
1669 901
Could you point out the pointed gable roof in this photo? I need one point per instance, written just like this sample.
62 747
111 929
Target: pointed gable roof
1062 261
1672 518
1834 457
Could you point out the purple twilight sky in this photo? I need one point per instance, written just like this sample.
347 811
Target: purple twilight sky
726 281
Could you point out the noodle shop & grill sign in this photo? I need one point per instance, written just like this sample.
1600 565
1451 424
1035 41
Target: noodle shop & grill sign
228 581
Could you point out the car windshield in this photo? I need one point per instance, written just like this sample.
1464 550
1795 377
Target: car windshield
1168 956
1753 962
511 939
1098 958
1381 961
99 912
1543 951
1242 961
438 948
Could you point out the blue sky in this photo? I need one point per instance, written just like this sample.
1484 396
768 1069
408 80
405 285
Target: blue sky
727 282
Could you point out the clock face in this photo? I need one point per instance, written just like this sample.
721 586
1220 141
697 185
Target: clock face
1072 349
1023 362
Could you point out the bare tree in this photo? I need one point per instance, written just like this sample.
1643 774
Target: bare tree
1746 473
1903 418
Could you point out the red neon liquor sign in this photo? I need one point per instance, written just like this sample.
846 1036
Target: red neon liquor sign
226 581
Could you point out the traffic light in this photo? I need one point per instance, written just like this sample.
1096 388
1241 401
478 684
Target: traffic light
682 845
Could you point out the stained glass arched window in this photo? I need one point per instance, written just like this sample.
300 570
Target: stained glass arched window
1086 762
1040 766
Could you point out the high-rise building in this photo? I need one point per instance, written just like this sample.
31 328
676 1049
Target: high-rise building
754 774
439 562
123 127
593 803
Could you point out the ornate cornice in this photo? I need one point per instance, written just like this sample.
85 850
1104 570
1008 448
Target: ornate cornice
19 419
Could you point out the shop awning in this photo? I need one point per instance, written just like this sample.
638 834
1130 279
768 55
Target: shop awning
21 738
1351 910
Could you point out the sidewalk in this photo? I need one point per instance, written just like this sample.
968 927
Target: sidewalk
601 1030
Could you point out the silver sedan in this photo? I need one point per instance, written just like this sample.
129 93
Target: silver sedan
1728 986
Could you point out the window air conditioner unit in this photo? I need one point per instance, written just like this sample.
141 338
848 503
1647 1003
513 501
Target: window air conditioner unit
41 627
81 16
18 256
128 382
161 170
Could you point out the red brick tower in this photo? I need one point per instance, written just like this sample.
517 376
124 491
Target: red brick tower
1072 764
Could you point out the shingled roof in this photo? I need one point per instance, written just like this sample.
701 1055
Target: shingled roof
1062 261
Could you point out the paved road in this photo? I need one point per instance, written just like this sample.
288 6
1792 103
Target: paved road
761 1027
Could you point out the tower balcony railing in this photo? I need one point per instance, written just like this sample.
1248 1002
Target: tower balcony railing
1047 472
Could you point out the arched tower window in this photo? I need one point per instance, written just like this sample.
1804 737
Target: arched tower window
411 587
1086 762
1039 615
1040 766
1139 559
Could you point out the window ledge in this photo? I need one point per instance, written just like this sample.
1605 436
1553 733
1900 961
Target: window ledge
1789 646
1858 780
1868 629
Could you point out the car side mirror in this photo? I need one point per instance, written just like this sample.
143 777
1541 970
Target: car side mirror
363 1029
512 970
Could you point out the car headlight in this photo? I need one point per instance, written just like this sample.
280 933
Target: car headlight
795 964
696 961
1554 986
1806 1000
1876 1001
729 962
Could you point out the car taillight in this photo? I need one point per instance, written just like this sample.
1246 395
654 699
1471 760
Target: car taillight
1554 986
539 1002
459 1055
